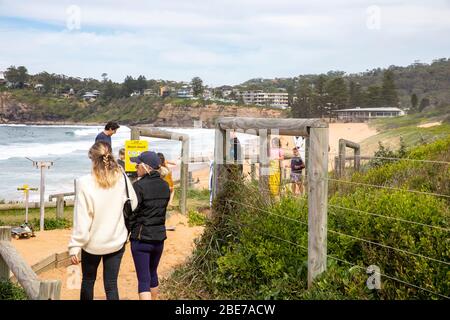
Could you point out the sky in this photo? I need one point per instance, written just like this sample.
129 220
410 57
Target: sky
223 42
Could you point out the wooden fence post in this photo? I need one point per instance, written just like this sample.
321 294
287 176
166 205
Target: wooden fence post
184 175
50 290
253 171
219 159
60 207
342 147
5 235
135 134
357 159
263 163
317 203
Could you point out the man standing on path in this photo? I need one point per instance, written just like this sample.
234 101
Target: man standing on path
110 129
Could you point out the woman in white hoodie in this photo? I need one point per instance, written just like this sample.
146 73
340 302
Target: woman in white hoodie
99 231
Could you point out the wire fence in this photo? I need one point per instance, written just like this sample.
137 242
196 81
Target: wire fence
335 209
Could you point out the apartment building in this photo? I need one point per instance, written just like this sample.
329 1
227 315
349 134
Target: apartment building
261 98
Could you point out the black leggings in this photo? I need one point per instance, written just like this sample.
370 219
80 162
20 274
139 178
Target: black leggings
111 265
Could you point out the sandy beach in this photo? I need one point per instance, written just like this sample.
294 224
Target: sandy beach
356 132
177 248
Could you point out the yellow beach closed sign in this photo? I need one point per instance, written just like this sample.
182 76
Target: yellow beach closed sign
133 148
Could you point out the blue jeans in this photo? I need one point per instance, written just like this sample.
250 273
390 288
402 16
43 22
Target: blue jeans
111 266
146 256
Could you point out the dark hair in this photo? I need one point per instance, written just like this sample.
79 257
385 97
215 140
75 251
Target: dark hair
112 126
161 158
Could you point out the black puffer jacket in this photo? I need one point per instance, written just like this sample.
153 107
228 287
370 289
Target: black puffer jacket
148 220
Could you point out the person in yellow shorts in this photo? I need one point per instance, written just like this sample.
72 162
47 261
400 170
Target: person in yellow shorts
276 157
166 174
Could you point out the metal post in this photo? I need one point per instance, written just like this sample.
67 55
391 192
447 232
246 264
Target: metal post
26 205
42 204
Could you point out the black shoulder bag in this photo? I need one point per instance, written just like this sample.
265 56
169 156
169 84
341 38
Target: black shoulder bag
127 210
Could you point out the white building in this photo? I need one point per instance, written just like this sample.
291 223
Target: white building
89 96
185 93
271 99
363 114
2 77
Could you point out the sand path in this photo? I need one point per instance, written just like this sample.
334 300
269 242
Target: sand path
178 247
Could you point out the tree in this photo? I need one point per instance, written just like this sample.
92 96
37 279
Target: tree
141 83
414 102
129 86
104 76
373 97
302 107
423 104
23 74
197 86
355 98
388 90
17 76
337 95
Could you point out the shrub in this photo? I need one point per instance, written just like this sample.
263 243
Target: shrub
11 291
195 218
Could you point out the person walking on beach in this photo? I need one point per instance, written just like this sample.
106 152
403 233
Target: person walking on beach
110 129
147 224
99 231
276 158
297 166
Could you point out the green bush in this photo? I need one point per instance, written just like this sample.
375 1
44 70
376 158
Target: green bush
253 248
52 224
195 218
11 291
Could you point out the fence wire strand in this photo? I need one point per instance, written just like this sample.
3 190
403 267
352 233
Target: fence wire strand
341 260
388 188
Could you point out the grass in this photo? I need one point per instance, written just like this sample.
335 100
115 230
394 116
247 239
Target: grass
391 129
17 216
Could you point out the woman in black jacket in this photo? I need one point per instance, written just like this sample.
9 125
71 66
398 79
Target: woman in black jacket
147 224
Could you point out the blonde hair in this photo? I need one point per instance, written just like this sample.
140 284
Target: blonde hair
104 167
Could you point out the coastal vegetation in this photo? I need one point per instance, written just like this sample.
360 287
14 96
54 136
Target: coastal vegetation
416 88
252 249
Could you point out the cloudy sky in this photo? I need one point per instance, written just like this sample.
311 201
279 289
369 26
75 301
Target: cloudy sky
223 42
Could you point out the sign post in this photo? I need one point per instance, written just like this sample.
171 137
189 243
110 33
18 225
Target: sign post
133 148
26 191
42 165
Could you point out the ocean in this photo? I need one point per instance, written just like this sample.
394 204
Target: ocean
67 146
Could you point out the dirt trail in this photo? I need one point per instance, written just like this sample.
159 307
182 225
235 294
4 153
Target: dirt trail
178 247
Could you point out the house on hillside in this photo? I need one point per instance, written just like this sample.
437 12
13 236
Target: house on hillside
149 92
96 93
89 96
185 93
39 87
2 77
164 91
365 114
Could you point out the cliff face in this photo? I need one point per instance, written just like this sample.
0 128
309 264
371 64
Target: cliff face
184 116
14 111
